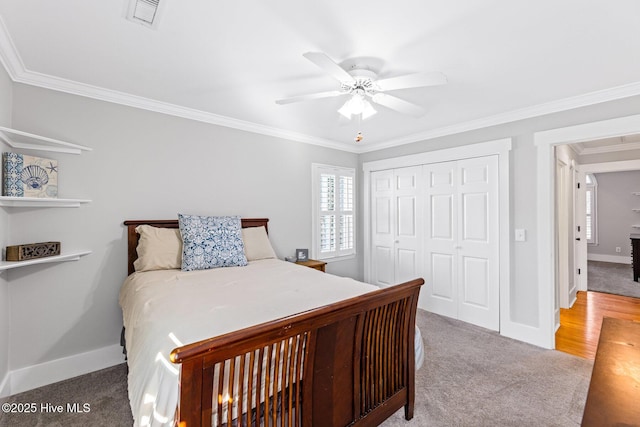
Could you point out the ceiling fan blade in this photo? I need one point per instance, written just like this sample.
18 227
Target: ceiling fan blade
398 104
309 96
329 66
433 78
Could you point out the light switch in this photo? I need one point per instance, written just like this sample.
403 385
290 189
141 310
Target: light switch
521 235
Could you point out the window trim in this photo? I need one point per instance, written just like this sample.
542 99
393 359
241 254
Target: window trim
316 170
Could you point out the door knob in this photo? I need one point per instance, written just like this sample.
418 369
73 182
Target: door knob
577 238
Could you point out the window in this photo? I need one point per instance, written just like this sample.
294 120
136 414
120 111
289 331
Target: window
590 197
333 212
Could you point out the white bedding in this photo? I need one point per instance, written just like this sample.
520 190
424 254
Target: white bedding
165 309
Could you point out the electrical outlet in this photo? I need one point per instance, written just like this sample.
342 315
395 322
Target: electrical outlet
618 249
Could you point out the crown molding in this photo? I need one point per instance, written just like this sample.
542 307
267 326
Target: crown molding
585 100
611 148
9 54
16 69
135 101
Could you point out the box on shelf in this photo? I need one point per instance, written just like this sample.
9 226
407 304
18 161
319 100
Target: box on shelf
32 251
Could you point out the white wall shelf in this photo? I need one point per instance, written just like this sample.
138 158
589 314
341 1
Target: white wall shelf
636 226
71 256
636 209
29 141
636 193
35 202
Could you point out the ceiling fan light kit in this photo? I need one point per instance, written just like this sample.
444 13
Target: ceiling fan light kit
355 105
364 88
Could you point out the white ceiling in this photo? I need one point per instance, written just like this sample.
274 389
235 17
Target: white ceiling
227 62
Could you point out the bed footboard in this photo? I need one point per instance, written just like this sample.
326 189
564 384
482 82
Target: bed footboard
348 363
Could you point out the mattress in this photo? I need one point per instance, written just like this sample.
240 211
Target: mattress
166 309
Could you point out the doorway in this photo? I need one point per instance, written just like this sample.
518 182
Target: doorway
615 212
545 142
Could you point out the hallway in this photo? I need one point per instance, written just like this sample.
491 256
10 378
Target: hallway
580 325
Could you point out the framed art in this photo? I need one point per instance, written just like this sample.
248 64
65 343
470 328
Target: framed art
302 254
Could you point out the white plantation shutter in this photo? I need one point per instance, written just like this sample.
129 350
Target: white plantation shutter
333 211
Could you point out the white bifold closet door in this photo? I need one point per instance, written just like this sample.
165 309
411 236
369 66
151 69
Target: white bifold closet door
397 228
461 248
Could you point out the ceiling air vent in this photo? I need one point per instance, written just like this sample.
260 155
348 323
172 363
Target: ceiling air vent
145 12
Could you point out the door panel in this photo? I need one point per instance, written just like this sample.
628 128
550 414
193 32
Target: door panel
383 217
383 272
442 216
407 216
440 292
475 282
478 248
382 234
407 265
475 217
408 238
396 234
442 275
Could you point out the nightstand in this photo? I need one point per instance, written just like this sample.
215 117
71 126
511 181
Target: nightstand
312 263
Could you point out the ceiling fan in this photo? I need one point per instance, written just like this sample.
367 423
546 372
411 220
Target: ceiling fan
364 88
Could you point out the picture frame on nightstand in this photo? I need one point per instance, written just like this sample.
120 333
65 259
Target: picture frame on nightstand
302 254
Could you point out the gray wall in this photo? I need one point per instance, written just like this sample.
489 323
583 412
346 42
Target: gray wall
143 165
6 96
524 286
614 212
147 165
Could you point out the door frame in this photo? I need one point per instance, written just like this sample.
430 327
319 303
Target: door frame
562 231
545 141
501 148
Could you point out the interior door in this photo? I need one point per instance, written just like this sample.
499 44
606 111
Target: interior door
478 245
461 250
408 236
571 235
440 291
382 228
396 227
562 232
581 232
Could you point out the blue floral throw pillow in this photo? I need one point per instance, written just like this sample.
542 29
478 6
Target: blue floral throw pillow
211 242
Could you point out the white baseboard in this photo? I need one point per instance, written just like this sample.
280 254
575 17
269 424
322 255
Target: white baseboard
5 389
35 376
529 334
618 259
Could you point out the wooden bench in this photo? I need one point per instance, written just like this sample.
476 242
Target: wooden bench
614 391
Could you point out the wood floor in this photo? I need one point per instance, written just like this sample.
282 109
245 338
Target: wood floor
580 325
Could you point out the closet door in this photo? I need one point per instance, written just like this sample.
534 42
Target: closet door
440 291
408 230
396 235
382 228
478 246
461 241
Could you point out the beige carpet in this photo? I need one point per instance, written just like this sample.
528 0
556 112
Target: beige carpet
470 377
612 278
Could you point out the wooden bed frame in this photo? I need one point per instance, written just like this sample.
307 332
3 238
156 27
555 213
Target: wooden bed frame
347 363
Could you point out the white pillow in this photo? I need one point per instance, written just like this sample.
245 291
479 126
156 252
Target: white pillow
256 244
158 248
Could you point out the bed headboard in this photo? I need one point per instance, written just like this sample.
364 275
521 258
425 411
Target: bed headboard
132 236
